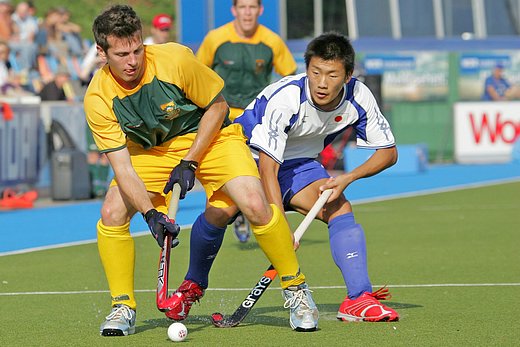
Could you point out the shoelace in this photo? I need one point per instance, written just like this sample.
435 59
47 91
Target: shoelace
382 294
120 311
299 297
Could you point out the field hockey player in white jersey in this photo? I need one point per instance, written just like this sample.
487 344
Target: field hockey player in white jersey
288 125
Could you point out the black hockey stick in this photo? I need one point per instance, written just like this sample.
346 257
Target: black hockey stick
267 278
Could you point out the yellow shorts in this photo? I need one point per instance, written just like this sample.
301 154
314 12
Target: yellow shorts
227 157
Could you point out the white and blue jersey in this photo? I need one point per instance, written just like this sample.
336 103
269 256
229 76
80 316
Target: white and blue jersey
284 123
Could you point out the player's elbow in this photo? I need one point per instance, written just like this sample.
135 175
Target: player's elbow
392 156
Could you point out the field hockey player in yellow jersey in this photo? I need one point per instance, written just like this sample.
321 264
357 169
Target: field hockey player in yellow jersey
159 115
244 52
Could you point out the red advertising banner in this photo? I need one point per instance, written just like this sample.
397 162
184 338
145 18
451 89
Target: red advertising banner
485 131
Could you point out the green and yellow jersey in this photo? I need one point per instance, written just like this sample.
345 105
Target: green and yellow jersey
169 101
245 64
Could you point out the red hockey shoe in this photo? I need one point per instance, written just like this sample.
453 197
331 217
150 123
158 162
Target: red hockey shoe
183 298
368 308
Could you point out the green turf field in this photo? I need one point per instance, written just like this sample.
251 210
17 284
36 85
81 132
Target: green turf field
451 260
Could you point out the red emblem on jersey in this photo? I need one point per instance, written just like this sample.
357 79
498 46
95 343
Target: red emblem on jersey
338 119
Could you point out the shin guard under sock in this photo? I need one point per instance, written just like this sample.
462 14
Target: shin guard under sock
117 253
205 242
348 247
276 242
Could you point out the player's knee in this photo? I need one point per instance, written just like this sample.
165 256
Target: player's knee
114 210
257 210
336 208
112 214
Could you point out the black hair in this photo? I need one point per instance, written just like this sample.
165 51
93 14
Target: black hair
332 46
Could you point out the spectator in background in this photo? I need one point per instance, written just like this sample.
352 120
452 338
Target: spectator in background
48 38
59 88
243 52
70 33
496 87
9 80
32 11
58 36
6 23
22 41
5 66
91 62
160 29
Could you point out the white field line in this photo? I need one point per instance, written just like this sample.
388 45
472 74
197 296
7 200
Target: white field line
75 243
355 202
449 285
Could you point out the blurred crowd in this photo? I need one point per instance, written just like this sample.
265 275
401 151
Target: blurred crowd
48 56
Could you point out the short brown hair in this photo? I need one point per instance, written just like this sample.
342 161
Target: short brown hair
120 21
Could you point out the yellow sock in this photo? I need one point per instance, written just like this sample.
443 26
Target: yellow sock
117 253
276 242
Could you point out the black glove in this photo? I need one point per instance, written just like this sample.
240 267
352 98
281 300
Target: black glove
160 225
184 174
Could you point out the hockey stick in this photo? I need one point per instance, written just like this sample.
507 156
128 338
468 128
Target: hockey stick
269 275
162 298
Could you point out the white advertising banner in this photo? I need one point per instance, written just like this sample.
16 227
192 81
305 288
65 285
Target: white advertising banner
485 131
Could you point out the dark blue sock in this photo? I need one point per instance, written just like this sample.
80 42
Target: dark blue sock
205 241
348 247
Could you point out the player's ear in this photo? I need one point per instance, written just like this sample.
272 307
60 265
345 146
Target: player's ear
101 53
261 10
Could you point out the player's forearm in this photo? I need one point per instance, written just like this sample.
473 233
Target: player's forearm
209 125
379 161
134 189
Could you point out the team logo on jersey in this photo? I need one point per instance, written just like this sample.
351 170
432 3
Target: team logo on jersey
259 65
381 121
171 110
273 130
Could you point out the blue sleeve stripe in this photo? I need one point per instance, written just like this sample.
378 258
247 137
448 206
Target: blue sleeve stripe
361 124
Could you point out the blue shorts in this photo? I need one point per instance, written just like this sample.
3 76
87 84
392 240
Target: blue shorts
296 174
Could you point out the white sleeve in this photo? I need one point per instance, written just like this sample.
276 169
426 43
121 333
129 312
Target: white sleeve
373 130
